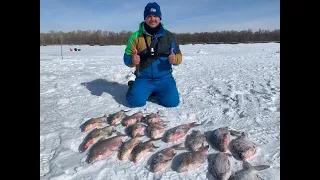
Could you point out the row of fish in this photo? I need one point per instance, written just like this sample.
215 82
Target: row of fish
138 125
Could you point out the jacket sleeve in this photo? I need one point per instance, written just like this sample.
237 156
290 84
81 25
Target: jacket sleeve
175 45
127 60
128 51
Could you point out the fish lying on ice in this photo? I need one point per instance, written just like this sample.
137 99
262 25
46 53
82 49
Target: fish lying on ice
142 150
127 148
95 135
152 118
136 130
94 123
156 130
242 147
193 160
178 132
220 167
116 118
194 140
130 120
104 148
162 159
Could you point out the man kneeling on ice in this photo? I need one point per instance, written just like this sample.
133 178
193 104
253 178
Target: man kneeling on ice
152 50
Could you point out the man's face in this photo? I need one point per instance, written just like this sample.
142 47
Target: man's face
152 21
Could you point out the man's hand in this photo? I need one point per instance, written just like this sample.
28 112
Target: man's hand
172 57
135 58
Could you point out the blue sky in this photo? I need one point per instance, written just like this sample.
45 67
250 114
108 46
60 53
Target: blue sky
178 16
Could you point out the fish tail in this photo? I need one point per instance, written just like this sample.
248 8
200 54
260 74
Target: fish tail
235 133
156 139
177 146
260 167
155 146
194 124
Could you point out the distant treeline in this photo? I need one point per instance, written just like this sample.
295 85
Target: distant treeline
98 37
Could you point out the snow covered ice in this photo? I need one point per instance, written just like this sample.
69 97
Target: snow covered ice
234 85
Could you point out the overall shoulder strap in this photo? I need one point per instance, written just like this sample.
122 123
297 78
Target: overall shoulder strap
145 40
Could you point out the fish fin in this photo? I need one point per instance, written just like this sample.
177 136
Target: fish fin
148 167
154 146
194 124
235 133
243 134
156 139
260 167
120 133
246 165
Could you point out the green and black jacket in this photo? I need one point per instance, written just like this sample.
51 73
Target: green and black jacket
153 51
